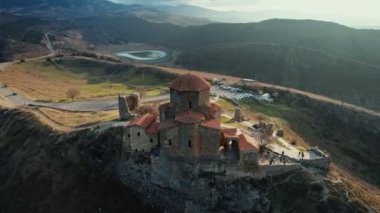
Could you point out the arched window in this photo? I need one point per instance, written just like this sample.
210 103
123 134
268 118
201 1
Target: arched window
190 105
170 142
189 144
138 134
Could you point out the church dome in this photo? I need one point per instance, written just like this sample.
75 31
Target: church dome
190 83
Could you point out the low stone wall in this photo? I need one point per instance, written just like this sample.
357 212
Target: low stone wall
272 170
321 163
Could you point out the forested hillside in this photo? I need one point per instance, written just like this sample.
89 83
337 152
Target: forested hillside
327 37
21 36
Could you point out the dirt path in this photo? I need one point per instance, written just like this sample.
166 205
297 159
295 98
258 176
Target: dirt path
232 79
47 121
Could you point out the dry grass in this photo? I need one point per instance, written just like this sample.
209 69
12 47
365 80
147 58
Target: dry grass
73 119
227 106
5 102
358 189
207 75
38 81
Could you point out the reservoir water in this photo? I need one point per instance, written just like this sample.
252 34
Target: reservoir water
145 56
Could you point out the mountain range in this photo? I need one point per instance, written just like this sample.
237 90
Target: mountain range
317 56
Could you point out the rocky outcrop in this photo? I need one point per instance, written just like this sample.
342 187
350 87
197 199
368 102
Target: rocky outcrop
43 171
180 186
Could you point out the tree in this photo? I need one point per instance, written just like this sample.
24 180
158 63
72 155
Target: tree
72 93
264 142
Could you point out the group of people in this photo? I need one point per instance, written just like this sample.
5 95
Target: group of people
282 159
301 155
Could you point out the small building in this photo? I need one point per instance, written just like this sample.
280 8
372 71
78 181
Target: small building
247 148
141 133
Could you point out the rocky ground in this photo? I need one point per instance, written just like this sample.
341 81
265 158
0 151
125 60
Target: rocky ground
44 171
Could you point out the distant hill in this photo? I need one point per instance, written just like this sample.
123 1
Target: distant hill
21 36
295 53
69 9
326 37
189 10
316 56
55 3
258 14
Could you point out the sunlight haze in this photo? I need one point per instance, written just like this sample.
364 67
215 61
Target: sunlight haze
354 13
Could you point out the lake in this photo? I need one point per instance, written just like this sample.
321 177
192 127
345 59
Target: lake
145 56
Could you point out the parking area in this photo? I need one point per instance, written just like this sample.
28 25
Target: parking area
238 94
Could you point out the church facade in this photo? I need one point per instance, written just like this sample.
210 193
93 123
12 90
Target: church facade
188 126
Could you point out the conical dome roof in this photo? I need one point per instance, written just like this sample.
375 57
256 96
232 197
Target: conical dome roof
190 83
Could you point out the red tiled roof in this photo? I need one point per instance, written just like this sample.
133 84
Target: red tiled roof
214 108
229 132
189 117
167 124
153 128
244 145
213 123
190 83
142 120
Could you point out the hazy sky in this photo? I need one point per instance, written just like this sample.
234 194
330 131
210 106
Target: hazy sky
360 9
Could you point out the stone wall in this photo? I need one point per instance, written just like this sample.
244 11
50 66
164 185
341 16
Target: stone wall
321 163
248 160
272 170
188 142
210 140
137 139
189 100
124 113
169 140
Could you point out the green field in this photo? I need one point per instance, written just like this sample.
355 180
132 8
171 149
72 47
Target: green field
49 80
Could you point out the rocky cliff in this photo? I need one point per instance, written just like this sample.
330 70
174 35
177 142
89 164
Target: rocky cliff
44 171
304 190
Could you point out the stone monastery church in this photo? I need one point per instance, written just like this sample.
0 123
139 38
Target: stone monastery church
188 127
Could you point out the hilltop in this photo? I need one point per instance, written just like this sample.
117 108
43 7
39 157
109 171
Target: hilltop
62 167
